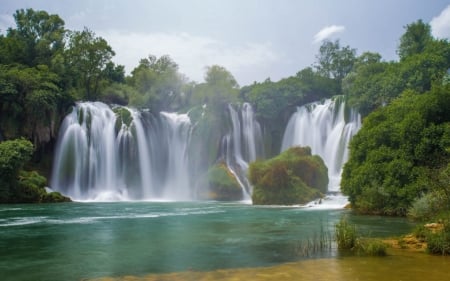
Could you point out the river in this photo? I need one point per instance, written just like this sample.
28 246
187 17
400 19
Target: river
75 241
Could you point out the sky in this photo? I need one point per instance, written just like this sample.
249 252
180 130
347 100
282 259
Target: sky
253 39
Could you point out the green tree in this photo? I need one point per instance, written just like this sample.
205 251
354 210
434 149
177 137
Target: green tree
88 57
415 39
14 154
397 151
158 83
219 89
334 61
38 36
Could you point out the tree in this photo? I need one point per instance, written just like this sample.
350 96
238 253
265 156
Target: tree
37 37
395 156
88 57
13 156
415 39
158 82
219 89
334 61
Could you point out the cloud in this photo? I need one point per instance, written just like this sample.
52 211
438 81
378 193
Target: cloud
327 32
6 21
191 53
440 25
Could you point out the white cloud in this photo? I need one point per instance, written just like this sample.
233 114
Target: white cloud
6 21
440 25
191 53
327 32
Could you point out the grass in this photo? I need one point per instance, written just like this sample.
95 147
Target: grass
347 238
316 244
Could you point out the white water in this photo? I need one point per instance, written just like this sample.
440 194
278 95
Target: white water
323 127
97 161
243 145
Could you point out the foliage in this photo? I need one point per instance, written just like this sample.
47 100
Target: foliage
394 157
348 239
223 185
123 117
415 39
293 177
373 83
220 89
334 61
88 57
157 84
37 38
14 154
370 247
345 235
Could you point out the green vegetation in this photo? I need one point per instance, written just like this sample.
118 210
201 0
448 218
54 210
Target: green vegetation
17 185
293 177
223 185
348 239
399 161
399 153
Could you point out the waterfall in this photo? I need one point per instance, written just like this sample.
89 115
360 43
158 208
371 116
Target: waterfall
101 157
327 128
243 144
178 127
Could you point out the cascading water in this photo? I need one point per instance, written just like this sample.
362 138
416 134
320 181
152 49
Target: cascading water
178 127
102 157
243 145
327 128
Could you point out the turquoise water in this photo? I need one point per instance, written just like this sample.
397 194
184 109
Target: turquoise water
73 241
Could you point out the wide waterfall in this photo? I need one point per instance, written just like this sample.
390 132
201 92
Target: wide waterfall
124 155
120 153
327 128
243 144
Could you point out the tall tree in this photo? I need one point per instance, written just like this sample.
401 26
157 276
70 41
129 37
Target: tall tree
334 61
38 36
158 82
415 39
88 57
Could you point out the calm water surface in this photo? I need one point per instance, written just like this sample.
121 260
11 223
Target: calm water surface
74 241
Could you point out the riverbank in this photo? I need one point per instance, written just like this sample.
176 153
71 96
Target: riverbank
400 264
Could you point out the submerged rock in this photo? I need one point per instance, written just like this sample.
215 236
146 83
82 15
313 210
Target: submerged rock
293 177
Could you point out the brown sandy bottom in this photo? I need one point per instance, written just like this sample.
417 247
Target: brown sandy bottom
398 265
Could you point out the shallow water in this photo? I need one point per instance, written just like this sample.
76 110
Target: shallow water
398 265
77 241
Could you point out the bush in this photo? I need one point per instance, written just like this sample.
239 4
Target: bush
439 242
427 206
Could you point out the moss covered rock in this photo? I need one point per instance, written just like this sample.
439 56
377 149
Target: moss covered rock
293 177
223 185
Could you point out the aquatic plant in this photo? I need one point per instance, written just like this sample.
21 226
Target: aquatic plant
345 234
